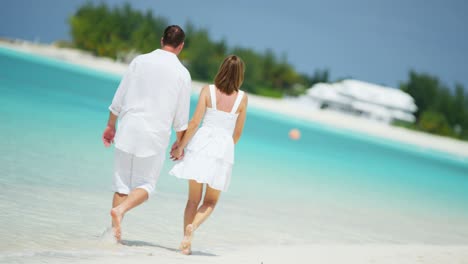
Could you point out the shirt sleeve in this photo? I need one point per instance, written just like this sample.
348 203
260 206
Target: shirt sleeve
181 117
118 100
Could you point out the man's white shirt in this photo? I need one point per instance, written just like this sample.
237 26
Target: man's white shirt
153 95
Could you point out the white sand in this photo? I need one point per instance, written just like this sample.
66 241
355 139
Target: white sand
317 253
323 254
287 107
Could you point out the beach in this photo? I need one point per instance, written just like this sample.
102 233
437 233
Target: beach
350 191
331 254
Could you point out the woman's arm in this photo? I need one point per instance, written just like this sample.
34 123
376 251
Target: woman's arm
193 124
240 120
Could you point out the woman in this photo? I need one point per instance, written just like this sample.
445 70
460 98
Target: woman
209 153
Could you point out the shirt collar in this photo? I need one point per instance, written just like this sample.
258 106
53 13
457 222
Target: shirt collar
165 52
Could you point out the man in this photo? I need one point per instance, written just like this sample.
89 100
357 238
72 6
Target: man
153 95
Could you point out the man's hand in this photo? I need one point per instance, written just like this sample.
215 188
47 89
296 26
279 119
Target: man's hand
176 153
108 136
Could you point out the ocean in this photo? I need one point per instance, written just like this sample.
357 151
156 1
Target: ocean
330 186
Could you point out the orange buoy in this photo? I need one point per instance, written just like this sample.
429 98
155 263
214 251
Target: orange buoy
294 134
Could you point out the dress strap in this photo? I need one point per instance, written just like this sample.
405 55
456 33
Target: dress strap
238 101
213 96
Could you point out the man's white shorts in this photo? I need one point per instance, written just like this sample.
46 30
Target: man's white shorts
131 172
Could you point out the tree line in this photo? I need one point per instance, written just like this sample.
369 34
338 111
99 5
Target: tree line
121 31
441 110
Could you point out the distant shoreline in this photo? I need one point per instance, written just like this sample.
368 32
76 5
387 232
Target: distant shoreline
286 107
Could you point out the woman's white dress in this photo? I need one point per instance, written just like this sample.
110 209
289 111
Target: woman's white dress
209 156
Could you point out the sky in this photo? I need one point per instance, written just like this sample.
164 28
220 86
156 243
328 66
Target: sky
371 40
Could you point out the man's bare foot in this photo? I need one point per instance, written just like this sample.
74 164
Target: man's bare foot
186 245
116 219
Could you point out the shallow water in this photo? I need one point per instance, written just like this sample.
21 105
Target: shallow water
331 186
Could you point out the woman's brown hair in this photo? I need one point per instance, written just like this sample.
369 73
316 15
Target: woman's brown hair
230 75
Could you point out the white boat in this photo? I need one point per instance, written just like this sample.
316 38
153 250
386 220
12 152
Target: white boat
364 99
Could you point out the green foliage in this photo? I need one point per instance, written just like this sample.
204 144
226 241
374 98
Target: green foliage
440 110
263 91
203 56
122 30
63 44
435 123
405 124
106 32
319 76
423 88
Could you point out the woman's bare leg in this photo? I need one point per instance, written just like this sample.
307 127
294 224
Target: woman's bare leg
194 198
209 203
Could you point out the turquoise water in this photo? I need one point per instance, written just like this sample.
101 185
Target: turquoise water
331 185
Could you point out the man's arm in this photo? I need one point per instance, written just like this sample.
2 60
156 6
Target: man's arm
182 113
119 96
116 105
181 116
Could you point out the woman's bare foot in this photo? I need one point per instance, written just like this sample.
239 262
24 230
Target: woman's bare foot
186 245
116 219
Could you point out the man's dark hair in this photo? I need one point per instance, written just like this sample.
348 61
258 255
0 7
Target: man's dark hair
173 36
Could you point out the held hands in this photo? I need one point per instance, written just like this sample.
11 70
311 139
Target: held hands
108 136
177 153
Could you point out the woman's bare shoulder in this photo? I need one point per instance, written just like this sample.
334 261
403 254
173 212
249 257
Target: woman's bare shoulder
205 89
245 98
